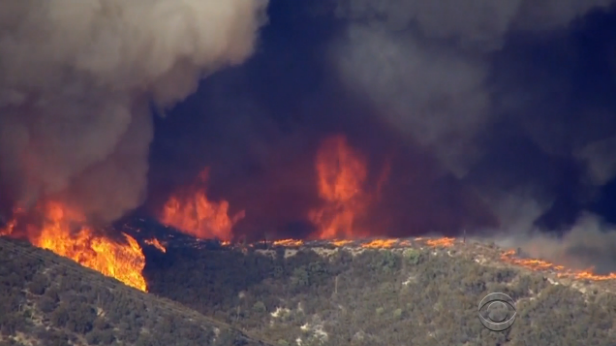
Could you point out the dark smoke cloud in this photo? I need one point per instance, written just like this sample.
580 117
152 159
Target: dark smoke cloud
504 95
498 116
76 79
427 63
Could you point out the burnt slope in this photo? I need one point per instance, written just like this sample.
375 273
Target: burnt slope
49 300
417 295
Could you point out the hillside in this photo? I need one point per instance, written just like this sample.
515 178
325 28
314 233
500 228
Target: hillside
51 301
417 293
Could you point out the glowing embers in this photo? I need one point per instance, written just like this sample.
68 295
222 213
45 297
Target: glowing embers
64 232
191 212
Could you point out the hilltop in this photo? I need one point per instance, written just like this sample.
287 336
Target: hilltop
52 301
418 292
380 292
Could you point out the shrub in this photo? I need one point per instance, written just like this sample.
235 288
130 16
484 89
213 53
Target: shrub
39 284
100 337
412 256
60 316
300 277
259 307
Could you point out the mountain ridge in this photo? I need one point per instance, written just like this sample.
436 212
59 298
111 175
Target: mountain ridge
366 292
362 294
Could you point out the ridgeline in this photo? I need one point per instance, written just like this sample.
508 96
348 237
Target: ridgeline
418 293
356 294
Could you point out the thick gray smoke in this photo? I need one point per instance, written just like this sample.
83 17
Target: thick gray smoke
426 63
429 67
76 82
590 243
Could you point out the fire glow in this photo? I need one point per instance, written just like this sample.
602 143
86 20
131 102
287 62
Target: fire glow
194 214
341 174
155 243
65 233
508 256
562 272
341 179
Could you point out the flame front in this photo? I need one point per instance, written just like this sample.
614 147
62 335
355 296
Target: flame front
508 256
196 215
65 233
341 174
561 271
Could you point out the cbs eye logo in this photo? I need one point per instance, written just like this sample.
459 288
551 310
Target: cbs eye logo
497 311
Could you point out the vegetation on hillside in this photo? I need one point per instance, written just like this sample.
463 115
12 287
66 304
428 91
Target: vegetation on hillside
380 297
51 301
338 297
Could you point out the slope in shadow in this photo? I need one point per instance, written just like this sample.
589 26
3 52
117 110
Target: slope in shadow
52 301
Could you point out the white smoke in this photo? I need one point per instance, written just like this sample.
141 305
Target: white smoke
76 79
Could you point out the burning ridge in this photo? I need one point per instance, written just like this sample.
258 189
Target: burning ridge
515 257
191 219
66 233
78 82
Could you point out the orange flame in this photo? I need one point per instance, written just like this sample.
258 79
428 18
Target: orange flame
442 242
289 242
155 243
64 232
561 271
380 244
339 243
196 215
445 242
341 174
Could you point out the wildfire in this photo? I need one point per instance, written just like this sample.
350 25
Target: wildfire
64 232
383 243
155 243
341 174
446 242
288 242
443 242
339 243
380 243
562 272
196 215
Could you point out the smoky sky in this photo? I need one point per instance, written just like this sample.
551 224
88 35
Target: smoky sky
492 114
76 78
487 115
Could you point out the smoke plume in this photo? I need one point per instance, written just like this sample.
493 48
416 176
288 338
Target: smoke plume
493 90
496 117
78 79
589 243
428 64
